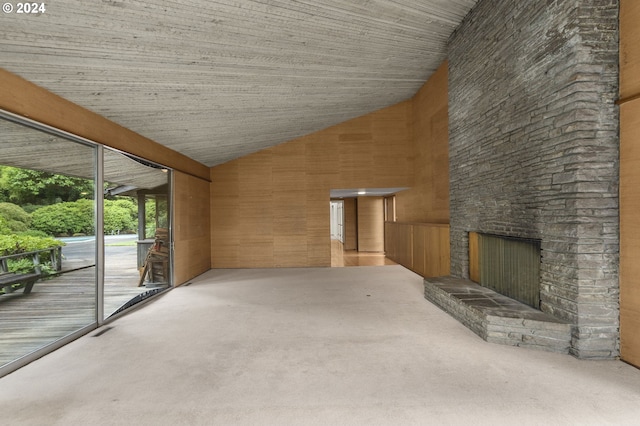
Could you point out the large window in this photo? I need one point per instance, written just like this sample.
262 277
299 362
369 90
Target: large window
84 234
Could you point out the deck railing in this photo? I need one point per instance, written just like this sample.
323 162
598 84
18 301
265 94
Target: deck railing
55 257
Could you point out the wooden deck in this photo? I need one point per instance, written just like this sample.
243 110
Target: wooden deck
58 307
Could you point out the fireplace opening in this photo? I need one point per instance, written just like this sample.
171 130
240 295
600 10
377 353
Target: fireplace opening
511 266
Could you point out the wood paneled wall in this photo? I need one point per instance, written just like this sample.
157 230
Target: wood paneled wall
191 232
630 181
421 247
428 199
26 99
271 208
629 49
371 224
350 224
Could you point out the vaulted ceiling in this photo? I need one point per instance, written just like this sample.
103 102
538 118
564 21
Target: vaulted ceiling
218 79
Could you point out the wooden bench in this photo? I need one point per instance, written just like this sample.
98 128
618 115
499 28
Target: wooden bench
12 281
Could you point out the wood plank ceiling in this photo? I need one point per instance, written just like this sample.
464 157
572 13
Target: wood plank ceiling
217 80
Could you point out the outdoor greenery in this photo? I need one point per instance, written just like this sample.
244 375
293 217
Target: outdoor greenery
120 216
13 219
65 219
36 206
16 244
44 204
29 187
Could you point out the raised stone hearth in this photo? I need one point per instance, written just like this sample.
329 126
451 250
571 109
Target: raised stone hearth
497 318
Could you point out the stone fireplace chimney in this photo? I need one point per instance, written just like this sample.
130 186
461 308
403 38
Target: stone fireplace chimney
533 151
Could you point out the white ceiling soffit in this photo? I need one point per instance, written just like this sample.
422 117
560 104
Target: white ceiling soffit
364 192
216 80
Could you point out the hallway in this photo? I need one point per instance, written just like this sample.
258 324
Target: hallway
309 346
344 258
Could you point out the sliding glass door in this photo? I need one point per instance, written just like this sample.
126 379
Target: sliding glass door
84 234
136 231
48 243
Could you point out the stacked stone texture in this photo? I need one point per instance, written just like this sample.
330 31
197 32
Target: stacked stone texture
533 130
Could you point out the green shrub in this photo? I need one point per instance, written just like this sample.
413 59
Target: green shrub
118 219
4 228
33 233
14 244
22 265
77 218
15 219
69 218
125 203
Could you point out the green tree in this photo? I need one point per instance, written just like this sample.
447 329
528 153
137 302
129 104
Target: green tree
24 186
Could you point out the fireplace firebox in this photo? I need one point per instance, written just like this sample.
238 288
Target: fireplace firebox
511 266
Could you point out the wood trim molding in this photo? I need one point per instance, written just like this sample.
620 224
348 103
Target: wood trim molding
26 99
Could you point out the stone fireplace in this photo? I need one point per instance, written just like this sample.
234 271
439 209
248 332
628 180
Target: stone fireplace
533 151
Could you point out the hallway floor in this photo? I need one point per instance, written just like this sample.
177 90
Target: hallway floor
346 258
309 346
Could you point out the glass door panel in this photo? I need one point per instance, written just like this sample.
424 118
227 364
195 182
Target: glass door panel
136 231
48 287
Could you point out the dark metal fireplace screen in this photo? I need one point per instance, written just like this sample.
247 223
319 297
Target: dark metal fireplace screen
511 266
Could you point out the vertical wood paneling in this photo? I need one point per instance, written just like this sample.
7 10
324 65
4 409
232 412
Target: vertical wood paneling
192 254
421 247
405 244
320 172
370 224
256 209
271 208
437 252
428 199
630 231
630 182
225 207
474 262
289 206
350 225
418 260
629 48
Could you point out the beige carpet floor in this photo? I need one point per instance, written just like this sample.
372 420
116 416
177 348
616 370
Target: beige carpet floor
325 346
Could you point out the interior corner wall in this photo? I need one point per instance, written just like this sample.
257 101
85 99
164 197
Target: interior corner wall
630 181
371 224
191 230
350 224
427 201
534 150
271 208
